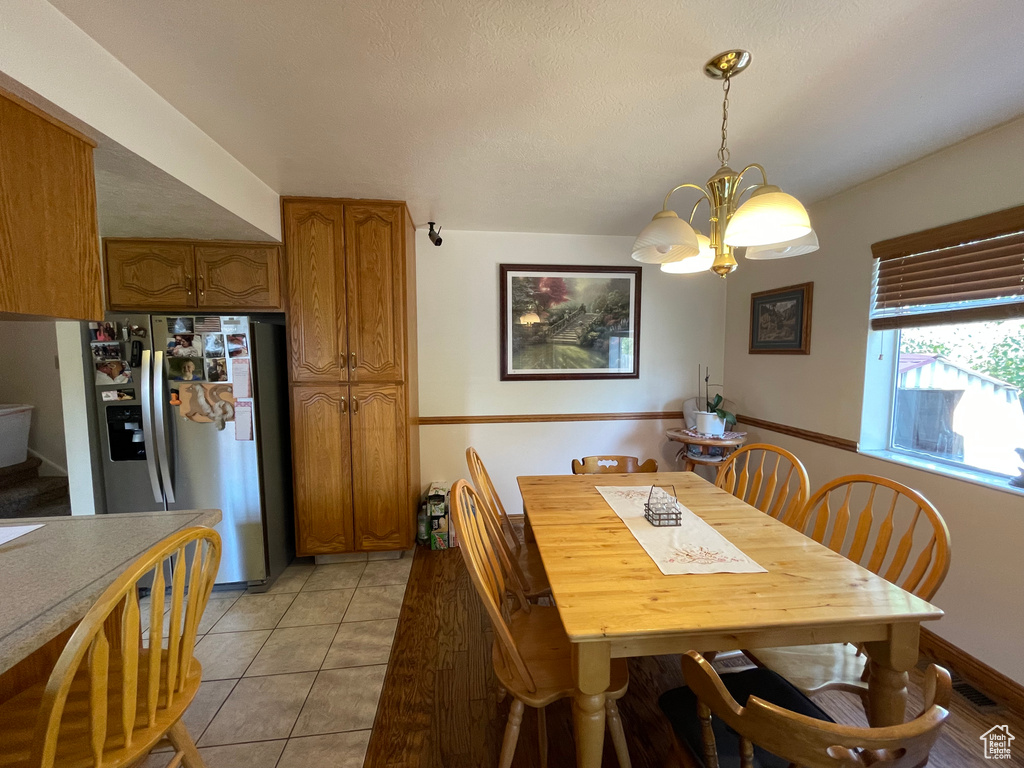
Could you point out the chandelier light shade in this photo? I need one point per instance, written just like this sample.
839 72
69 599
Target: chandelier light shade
666 239
769 217
699 263
770 224
806 244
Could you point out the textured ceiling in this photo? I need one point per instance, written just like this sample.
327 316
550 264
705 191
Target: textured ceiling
538 115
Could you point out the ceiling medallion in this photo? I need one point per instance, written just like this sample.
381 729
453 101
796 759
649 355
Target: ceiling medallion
770 224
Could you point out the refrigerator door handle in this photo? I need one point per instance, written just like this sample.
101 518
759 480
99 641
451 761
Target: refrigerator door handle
159 398
147 427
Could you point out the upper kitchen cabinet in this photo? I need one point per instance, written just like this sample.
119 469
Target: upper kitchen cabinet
182 275
374 266
49 243
238 276
314 232
149 275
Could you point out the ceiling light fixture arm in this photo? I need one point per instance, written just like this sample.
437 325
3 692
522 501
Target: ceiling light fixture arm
697 205
664 205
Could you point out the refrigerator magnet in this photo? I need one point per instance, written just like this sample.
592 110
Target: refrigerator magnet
207 403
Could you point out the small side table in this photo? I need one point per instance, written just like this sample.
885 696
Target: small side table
728 442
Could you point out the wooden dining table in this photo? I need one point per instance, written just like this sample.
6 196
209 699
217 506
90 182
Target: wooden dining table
615 602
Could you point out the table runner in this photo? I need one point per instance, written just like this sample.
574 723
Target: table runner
692 547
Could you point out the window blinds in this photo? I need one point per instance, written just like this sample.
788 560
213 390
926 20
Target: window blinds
970 270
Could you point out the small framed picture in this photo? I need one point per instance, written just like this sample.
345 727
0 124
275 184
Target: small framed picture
569 322
238 345
217 369
180 325
113 372
184 369
103 331
105 350
780 321
213 345
185 345
111 395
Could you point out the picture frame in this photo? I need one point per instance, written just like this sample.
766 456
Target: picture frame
569 322
780 320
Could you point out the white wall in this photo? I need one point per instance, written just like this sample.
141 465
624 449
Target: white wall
458 317
29 376
823 391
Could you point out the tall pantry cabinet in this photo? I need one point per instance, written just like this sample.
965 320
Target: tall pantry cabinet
352 335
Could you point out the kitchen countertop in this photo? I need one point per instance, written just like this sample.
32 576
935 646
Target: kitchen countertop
51 576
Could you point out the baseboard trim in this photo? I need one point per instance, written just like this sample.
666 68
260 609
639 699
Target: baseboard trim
821 438
989 681
527 418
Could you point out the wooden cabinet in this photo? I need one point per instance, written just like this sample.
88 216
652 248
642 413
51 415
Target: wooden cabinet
351 300
374 262
314 236
238 276
379 477
183 275
149 275
49 244
320 444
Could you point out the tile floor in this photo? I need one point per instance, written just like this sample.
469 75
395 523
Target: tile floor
291 677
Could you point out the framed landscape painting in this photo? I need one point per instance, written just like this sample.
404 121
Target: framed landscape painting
780 321
569 322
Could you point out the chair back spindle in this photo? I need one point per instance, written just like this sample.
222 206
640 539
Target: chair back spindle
767 477
863 516
107 654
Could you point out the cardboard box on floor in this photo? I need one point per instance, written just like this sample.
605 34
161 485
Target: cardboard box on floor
442 533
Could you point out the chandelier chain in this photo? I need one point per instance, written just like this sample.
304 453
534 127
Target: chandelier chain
723 151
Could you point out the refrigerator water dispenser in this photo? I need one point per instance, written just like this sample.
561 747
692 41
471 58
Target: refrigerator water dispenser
124 428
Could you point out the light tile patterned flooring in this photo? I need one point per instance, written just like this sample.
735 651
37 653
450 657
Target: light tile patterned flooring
291 677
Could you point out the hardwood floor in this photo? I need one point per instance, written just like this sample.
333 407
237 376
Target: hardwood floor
438 708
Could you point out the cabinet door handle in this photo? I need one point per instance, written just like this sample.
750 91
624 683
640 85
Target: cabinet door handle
355 405
344 406
352 361
202 285
188 284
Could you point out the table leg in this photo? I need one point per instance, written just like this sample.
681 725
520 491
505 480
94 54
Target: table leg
889 662
592 671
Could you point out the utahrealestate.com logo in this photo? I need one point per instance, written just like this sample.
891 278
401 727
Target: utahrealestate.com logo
997 742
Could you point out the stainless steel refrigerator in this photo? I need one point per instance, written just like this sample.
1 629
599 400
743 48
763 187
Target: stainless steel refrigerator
164 447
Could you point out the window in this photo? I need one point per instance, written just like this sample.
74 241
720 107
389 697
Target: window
958 395
955 296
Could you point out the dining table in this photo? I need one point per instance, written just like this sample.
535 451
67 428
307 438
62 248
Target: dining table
615 602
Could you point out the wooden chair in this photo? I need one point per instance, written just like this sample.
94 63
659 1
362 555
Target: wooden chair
113 696
531 653
767 477
610 465
831 517
787 728
521 557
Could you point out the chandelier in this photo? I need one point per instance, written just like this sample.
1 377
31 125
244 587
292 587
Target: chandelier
770 224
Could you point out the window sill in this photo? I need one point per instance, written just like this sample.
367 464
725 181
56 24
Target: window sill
937 468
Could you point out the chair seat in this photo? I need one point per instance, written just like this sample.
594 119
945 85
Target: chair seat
680 707
816 668
18 717
547 653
